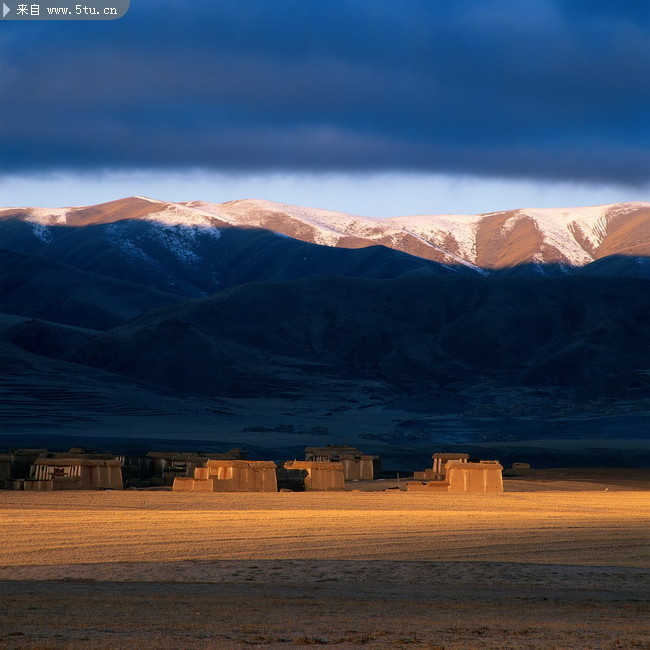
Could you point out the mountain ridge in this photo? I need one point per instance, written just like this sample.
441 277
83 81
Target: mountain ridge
572 237
230 317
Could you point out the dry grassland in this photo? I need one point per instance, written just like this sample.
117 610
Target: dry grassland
552 569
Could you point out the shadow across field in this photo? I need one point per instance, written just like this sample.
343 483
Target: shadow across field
489 613
385 570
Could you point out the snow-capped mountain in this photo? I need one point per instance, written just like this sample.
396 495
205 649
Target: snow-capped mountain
570 237
253 299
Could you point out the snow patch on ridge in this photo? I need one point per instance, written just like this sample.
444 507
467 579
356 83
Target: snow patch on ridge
116 235
150 200
326 226
42 232
48 216
177 215
434 229
177 230
333 226
41 218
558 227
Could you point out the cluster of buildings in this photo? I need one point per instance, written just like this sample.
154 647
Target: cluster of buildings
324 468
83 469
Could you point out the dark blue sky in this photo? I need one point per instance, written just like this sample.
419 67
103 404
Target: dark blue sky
543 90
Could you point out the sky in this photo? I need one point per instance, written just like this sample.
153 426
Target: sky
366 106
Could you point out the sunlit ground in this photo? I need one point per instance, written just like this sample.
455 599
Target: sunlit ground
381 569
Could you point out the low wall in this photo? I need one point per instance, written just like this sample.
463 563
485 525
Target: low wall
431 486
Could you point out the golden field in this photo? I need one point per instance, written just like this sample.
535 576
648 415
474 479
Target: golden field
381 569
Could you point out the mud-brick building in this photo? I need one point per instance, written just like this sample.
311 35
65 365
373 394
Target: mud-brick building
230 476
78 473
439 470
313 475
441 462
356 465
167 465
484 476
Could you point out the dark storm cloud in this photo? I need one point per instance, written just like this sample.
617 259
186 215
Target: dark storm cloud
521 88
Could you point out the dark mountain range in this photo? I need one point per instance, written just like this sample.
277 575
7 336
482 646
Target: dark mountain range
148 316
195 262
559 331
43 288
197 248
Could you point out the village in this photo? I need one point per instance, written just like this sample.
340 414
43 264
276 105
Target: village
326 468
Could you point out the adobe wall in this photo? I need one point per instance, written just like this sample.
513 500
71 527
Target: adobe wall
183 484
230 476
320 475
356 465
358 468
244 475
440 462
30 485
430 486
38 486
108 477
69 483
79 474
485 476
426 475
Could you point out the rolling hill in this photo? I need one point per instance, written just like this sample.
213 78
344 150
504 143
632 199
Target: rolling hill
141 317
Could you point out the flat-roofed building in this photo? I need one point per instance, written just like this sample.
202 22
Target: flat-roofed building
231 476
314 475
168 465
484 476
356 465
78 473
439 470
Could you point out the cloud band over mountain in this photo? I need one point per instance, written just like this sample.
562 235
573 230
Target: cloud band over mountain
538 89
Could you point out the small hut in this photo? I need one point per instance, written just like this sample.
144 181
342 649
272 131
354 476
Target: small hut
78 473
314 475
168 465
231 476
439 470
484 476
356 465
